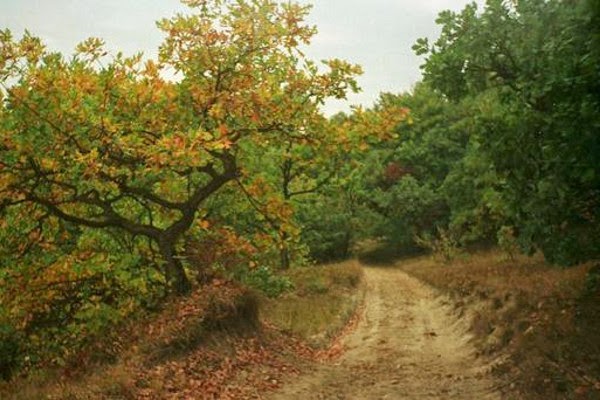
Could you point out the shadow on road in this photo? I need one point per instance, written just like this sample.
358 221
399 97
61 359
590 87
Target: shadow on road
387 256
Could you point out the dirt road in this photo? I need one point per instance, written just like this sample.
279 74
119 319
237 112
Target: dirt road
408 345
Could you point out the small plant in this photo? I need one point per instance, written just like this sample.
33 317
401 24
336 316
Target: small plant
444 245
9 351
507 241
263 279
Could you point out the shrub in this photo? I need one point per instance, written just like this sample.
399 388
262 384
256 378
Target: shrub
9 350
263 279
444 246
508 242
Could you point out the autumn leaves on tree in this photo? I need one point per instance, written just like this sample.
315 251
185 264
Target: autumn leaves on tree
121 176
109 143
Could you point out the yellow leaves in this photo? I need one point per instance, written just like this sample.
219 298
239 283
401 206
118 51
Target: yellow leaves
217 111
278 208
6 180
32 48
223 144
49 164
379 123
257 188
92 47
91 160
151 69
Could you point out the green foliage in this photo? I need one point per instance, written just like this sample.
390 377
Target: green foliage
398 184
528 73
508 242
106 167
265 280
332 222
502 133
444 245
10 350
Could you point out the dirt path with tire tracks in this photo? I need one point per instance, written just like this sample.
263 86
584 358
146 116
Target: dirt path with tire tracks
408 345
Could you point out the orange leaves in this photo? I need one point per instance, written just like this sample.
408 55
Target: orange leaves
236 368
278 208
223 130
178 143
151 69
204 224
380 123
258 187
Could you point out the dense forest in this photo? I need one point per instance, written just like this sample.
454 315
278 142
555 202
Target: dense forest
125 180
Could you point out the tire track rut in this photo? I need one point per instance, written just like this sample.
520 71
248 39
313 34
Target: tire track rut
408 345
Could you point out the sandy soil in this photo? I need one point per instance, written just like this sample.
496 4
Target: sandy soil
408 345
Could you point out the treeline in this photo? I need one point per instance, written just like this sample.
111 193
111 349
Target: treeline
503 136
119 187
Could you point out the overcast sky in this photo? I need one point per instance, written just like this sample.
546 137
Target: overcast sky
377 34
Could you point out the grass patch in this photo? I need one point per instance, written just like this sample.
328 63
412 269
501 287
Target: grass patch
545 318
324 299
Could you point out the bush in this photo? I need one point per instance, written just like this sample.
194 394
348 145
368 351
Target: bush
9 350
263 279
508 242
444 247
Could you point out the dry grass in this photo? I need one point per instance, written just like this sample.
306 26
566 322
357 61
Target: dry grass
324 300
541 316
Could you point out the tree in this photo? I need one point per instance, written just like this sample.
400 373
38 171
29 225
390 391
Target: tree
298 172
112 145
528 71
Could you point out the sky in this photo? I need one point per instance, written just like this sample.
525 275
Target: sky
377 34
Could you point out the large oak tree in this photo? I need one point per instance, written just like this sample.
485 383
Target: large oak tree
112 143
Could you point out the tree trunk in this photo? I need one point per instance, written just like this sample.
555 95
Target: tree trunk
177 280
345 247
284 252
